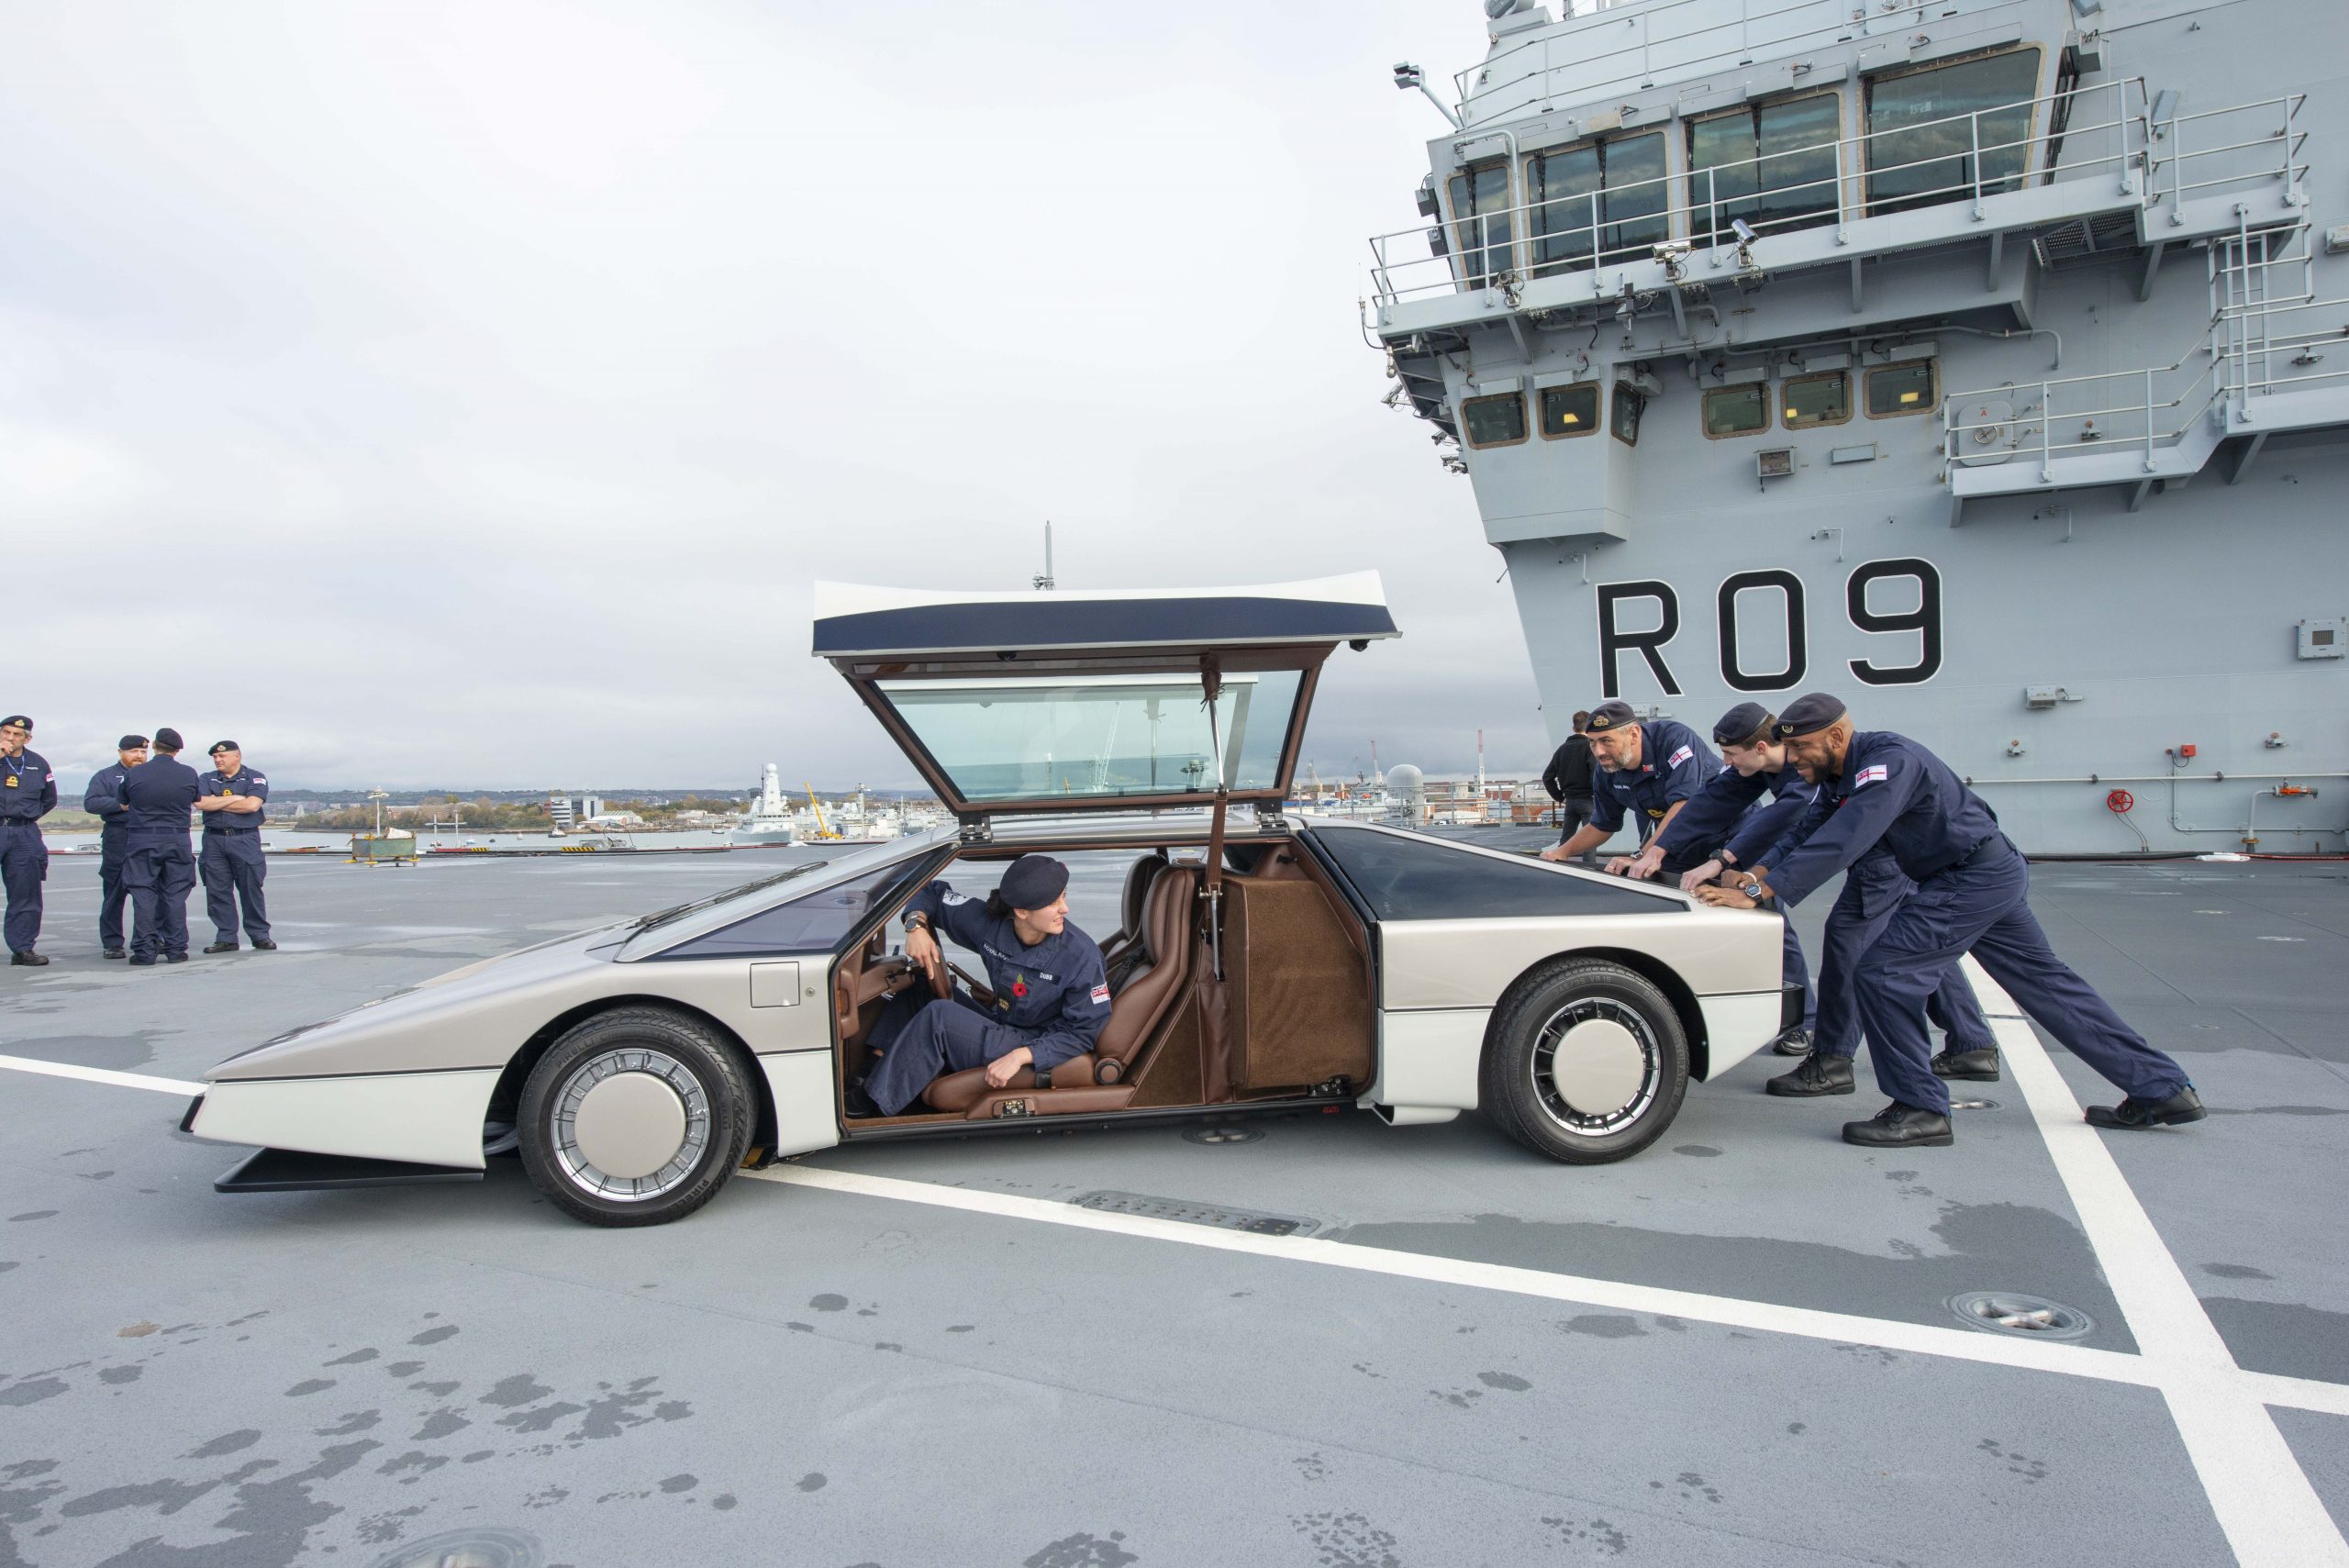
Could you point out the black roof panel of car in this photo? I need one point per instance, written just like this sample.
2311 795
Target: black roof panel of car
854 622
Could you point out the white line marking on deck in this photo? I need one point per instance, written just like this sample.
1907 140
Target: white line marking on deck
2271 1515
102 1076
1765 1317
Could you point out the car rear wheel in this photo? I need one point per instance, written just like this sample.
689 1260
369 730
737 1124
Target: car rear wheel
635 1117
1586 1063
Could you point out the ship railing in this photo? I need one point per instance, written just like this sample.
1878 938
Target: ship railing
2269 147
1964 157
2034 409
2237 357
1757 26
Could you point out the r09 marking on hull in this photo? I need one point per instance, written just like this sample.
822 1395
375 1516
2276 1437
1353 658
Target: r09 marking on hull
1924 622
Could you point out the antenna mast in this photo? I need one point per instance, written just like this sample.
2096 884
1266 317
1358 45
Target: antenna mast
1043 582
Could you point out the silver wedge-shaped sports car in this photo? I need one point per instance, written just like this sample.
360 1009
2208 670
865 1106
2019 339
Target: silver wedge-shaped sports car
1262 962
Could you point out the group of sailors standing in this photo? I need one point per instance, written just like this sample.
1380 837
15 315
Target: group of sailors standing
1797 798
142 803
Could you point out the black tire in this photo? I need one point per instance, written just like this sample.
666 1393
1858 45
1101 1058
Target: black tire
1519 1091
702 1072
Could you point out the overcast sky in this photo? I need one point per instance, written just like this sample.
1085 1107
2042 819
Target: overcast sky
467 395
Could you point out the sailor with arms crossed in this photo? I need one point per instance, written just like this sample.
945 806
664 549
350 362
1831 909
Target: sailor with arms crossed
1876 790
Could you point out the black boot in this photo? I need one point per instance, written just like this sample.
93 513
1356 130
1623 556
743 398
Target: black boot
1795 1041
1978 1064
29 958
113 953
1899 1125
2179 1108
221 947
263 944
1818 1074
858 1102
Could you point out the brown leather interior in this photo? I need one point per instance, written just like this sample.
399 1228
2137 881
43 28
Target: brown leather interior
1293 1011
1299 989
1124 951
1135 1011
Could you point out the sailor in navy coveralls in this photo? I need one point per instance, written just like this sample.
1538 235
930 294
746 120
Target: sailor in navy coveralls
1878 789
1051 990
27 793
159 871
232 865
103 800
1872 890
1644 771
1725 820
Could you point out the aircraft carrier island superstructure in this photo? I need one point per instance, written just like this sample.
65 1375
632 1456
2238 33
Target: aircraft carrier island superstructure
1985 362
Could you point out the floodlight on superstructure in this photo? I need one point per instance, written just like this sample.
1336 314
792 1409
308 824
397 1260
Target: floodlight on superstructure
1408 76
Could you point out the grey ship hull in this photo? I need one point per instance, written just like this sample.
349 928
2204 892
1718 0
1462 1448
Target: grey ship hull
2121 546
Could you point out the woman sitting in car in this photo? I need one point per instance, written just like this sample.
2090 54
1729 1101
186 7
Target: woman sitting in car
1052 992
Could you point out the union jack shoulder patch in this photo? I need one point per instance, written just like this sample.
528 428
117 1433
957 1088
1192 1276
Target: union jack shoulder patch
1100 995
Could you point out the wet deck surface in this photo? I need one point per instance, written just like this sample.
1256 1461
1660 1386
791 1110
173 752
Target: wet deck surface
838 1378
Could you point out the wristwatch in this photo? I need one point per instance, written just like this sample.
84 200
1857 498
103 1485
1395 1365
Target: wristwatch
1751 886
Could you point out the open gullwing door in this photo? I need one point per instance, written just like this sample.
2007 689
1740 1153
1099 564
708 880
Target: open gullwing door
1126 701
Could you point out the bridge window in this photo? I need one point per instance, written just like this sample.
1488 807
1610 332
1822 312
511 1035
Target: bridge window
1736 410
1808 400
1772 164
1494 421
1617 185
1930 128
1569 410
1480 211
1895 390
1630 404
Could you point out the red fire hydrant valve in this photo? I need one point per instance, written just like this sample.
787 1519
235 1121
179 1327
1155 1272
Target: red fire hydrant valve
2119 800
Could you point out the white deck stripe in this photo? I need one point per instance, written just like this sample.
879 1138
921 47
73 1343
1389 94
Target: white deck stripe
1921 1338
102 1076
2272 1517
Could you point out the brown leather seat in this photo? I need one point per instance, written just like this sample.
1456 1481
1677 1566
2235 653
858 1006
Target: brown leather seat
1134 1011
1123 952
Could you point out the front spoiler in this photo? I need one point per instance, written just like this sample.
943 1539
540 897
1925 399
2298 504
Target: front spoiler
292 1171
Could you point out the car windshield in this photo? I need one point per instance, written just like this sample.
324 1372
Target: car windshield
1090 737
662 917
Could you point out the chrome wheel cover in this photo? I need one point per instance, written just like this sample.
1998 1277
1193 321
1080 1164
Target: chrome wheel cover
1596 1066
603 1068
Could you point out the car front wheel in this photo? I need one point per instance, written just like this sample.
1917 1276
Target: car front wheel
634 1116
1586 1063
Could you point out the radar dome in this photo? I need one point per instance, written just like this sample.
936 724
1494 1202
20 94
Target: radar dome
1403 778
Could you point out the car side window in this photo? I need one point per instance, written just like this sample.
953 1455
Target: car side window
814 922
1407 878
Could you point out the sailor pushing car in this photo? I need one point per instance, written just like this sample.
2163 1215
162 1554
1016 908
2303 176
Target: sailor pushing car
1051 990
1646 771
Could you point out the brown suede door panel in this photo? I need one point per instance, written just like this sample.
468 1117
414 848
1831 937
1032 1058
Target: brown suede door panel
1300 990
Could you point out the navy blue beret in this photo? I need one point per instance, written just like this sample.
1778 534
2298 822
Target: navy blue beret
1609 716
1808 715
1741 723
1033 882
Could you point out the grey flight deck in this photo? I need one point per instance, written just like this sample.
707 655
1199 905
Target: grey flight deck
816 1377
